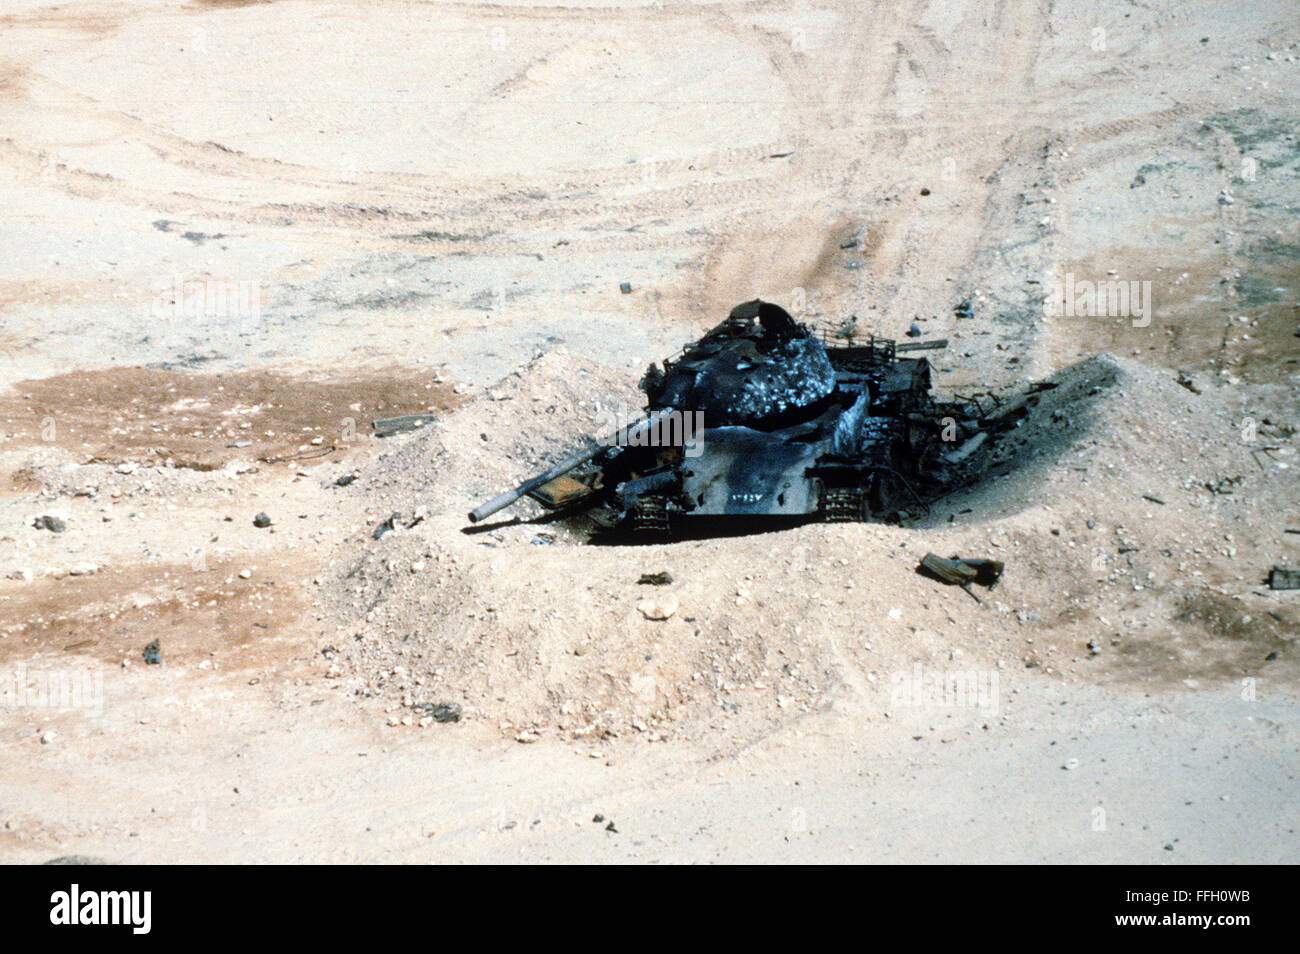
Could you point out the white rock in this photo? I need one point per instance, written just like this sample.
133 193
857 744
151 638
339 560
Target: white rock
657 607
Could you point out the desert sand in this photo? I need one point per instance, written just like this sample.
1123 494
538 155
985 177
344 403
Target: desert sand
233 234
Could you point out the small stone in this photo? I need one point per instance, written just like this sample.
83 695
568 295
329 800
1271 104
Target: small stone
153 653
625 288
261 520
439 711
47 737
51 522
658 607
245 574
83 569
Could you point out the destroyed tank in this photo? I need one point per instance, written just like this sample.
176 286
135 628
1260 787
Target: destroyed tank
762 417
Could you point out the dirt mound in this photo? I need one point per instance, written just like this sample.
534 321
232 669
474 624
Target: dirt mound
526 626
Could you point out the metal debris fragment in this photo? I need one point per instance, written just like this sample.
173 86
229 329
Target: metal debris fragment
388 426
1282 578
961 571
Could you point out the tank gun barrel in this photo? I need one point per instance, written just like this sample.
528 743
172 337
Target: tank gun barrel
622 436
938 344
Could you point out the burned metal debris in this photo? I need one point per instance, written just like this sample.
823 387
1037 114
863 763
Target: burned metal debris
961 571
762 417
388 426
1281 578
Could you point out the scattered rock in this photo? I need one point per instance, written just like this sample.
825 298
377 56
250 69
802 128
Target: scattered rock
153 653
658 607
439 711
50 522
261 521
662 578
84 568
47 737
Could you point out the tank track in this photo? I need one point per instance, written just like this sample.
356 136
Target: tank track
651 514
843 504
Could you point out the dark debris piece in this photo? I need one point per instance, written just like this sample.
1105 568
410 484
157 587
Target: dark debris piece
388 426
153 653
961 571
387 525
50 522
75 860
964 309
1283 579
262 521
662 578
441 711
